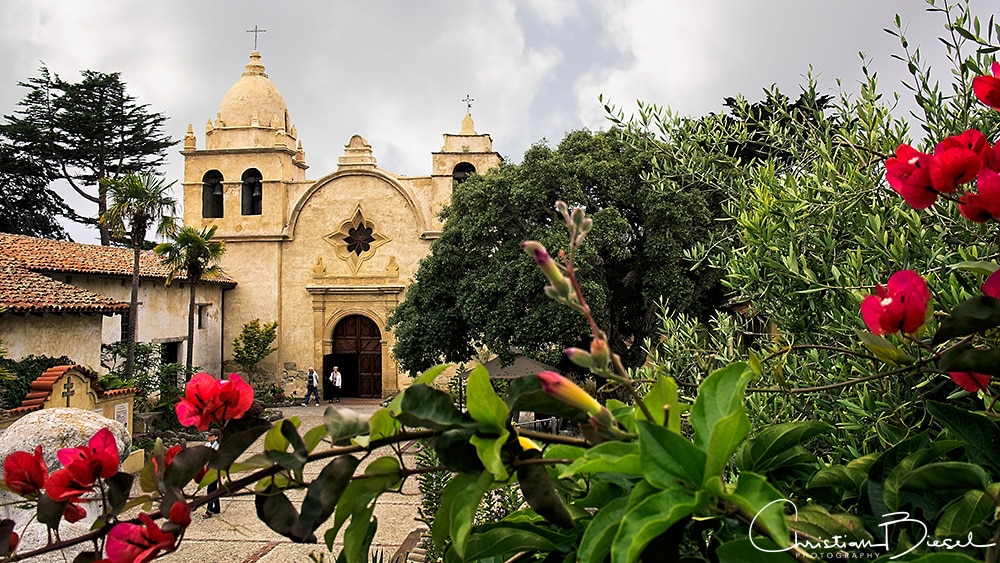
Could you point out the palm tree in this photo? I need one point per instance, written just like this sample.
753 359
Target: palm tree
194 253
137 202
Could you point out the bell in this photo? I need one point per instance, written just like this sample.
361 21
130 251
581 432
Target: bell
217 188
257 189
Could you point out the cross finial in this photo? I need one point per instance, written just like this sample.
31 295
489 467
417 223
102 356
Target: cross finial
468 103
255 31
68 390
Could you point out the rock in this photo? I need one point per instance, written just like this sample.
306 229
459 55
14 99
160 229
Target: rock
55 429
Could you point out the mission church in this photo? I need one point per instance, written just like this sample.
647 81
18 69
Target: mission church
328 259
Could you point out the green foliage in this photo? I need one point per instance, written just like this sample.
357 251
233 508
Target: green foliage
254 344
146 376
84 132
27 207
477 288
25 371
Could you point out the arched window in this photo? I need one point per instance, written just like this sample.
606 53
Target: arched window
211 195
253 192
462 172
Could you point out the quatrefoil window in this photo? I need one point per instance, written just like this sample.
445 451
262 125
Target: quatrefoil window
356 240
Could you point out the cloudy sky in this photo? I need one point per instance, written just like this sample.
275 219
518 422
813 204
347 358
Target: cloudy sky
396 71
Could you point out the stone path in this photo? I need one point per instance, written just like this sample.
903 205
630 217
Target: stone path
237 536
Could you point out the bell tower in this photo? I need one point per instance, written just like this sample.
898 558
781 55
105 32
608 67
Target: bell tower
461 155
252 165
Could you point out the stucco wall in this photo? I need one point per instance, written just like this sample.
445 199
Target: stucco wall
77 337
163 314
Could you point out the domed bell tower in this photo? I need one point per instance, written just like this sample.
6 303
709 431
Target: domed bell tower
252 165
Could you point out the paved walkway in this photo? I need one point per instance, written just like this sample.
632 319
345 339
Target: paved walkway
237 535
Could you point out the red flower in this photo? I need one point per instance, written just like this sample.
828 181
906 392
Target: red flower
70 483
899 306
970 381
25 473
180 514
134 543
74 513
99 456
991 286
909 175
970 206
988 185
207 400
987 88
953 166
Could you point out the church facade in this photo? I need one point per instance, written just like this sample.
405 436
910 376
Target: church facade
328 259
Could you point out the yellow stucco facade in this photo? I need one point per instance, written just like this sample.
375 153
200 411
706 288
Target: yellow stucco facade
328 259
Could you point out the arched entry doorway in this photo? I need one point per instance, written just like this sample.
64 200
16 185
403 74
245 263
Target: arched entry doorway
357 351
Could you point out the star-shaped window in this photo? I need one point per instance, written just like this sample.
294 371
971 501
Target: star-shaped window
356 240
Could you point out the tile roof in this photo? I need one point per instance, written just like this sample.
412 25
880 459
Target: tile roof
41 388
23 291
57 256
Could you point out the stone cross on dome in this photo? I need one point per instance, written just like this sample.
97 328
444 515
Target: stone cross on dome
468 103
255 31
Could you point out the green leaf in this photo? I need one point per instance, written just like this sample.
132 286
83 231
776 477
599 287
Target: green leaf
815 521
760 453
344 423
975 508
455 450
977 314
540 493
313 437
727 434
357 503
275 439
664 403
649 514
760 501
945 475
981 268
275 510
719 396
488 449
459 502
838 477
503 541
382 425
429 375
968 358
119 488
186 464
945 558
755 550
424 407
483 403
239 435
883 349
256 461
596 541
323 494
525 394
607 457
981 434
668 457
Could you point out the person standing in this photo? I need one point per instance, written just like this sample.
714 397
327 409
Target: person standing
213 507
312 387
335 381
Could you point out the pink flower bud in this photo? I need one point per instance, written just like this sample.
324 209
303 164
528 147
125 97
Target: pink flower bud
600 352
548 267
569 392
579 357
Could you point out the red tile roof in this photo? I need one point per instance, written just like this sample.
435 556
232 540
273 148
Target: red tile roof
23 291
56 256
41 388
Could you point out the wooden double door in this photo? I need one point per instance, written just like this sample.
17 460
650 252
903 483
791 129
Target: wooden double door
357 352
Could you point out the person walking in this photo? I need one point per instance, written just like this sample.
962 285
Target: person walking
312 387
213 507
335 381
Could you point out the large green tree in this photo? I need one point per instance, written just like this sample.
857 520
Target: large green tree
478 288
84 132
192 254
27 207
138 201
